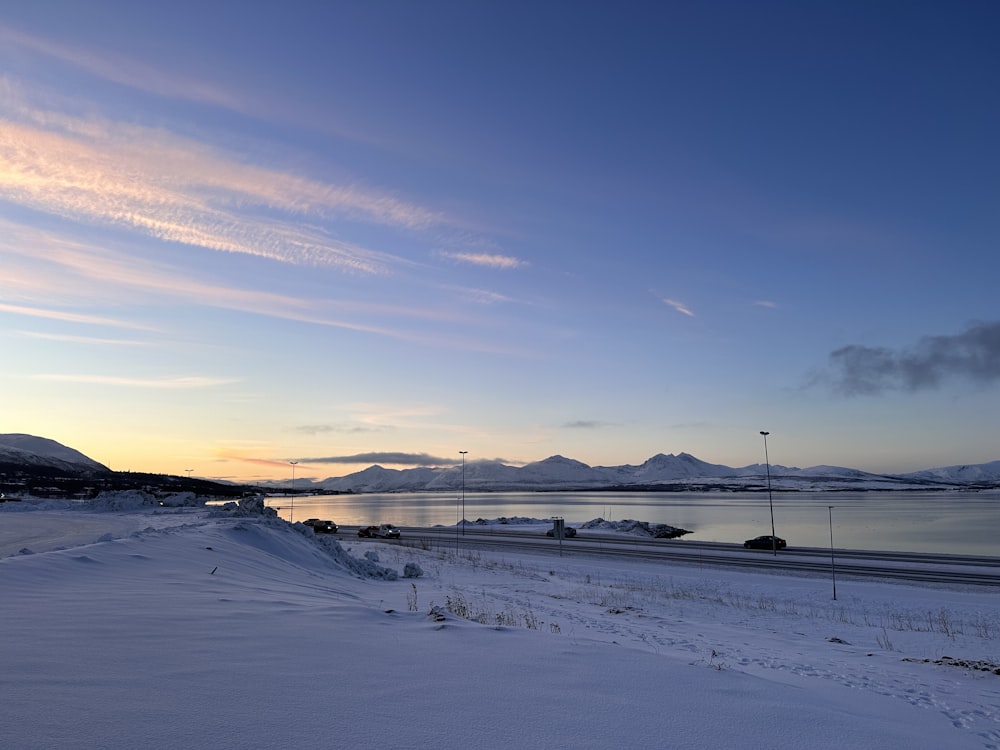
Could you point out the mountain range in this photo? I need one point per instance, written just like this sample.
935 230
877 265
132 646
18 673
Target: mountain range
662 472
682 472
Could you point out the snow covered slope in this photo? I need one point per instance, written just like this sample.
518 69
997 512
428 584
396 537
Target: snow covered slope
163 628
30 451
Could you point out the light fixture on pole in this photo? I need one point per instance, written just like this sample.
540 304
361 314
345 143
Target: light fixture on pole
189 473
770 502
833 571
291 515
463 491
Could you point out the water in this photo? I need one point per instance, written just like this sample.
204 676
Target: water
948 522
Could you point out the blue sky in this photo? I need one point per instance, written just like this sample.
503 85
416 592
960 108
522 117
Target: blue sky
234 235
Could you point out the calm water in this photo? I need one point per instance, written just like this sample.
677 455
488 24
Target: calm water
952 522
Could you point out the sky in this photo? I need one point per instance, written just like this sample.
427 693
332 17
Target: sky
175 628
238 235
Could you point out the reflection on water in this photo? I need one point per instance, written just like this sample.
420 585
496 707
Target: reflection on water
952 522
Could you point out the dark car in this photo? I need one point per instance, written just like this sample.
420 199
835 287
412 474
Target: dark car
765 542
367 531
321 527
568 532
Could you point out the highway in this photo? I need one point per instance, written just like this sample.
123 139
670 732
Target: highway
900 566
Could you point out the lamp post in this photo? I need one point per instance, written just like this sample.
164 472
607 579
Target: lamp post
189 473
291 514
833 571
770 502
463 491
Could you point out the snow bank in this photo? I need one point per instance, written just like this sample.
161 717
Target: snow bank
638 528
504 521
245 507
628 526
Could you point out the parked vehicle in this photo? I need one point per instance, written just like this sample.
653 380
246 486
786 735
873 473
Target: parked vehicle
387 531
568 532
765 542
321 527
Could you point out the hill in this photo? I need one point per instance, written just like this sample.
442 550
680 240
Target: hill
45 468
19 450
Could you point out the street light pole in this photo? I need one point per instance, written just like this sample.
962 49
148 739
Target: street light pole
463 491
770 502
833 571
291 514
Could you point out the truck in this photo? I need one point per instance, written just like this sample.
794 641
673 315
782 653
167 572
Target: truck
387 531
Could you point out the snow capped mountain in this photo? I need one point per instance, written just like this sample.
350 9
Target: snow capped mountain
27 450
682 472
379 479
988 472
558 470
661 468
478 475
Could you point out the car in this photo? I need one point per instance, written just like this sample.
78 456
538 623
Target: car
367 531
568 532
321 527
765 542
387 531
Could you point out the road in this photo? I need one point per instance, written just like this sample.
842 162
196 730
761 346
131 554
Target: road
905 566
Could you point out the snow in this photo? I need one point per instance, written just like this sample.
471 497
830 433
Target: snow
682 471
28 450
130 625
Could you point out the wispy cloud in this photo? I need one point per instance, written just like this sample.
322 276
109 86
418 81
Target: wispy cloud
227 454
974 355
585 424
165 82
678 306
161 383
323 429
125 71
483 296
766 303
174 189
104 268
69 317
391 415
72 272
487 260
83 339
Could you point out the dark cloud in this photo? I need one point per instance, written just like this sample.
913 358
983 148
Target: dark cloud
972 355
398 459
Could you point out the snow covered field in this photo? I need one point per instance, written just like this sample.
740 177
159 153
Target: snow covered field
191 627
